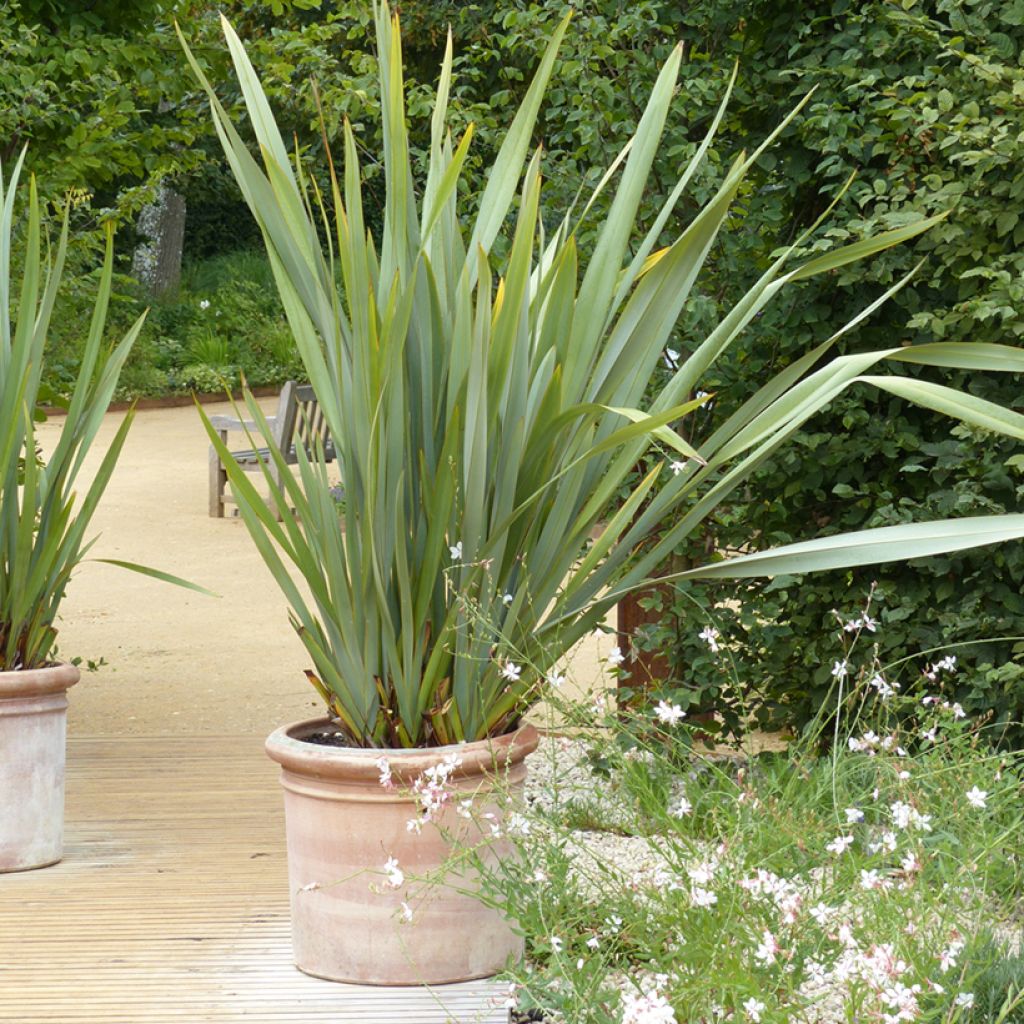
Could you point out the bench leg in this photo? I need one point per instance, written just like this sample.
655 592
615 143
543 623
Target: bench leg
218 481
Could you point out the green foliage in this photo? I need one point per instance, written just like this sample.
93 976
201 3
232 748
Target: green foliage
224 324
922 100
500 422
42 524
772 886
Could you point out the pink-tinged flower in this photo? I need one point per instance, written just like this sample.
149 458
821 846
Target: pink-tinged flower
593 942
947 958
670 714
384 767
870 879
839 845
910 863
958 711
395 875
616 657
509 1001
702 897
710 636
841 669
976 797
647 1008
753 1009
767 950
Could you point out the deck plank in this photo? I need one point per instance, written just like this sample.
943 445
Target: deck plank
171 903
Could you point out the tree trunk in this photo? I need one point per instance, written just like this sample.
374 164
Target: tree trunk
157 262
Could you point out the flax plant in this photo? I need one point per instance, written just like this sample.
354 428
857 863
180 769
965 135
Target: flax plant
43 523
486 415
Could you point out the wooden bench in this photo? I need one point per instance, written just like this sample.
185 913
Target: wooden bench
298 422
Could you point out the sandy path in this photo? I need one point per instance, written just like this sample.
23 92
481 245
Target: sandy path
178 662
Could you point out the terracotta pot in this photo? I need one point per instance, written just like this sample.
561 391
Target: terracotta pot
33 716
342 827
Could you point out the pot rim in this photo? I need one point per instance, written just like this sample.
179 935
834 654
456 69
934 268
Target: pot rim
38 682
359 764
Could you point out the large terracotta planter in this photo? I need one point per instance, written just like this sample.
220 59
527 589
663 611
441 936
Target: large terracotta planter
33 716
343 825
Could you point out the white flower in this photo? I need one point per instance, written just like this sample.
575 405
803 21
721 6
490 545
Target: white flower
518 824
647 1008
868 623
406 911
840 669
677 467
710 636
854 815
910 863
507 600
958 711
768 948
556 944
384 767
204 303
885 689
821 913
753 1007
511 671
702 897
394 873
556 679
947 958
616 657
456 551
681 808
964 999
870 879
840 845
593 942
976 797
670 714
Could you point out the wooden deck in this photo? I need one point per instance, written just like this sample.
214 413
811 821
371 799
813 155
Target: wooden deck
171 904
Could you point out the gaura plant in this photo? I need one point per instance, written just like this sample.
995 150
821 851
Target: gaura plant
486 416
42 532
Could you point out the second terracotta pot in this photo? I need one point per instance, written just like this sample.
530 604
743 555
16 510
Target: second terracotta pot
349 912
33 715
